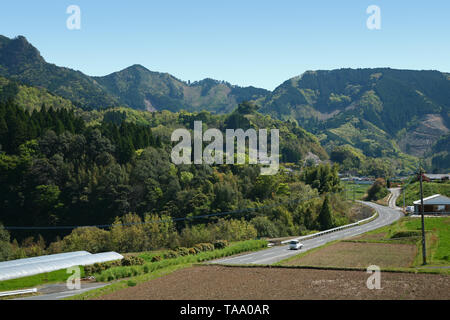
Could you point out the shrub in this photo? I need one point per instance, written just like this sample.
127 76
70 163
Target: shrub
183 251
378 190
132 261
171 254
207 246
156 259
197 249
220 244
99 267
192 251
134 271
131 283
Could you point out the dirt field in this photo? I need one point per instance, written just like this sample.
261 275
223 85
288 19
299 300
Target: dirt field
226 283
362 255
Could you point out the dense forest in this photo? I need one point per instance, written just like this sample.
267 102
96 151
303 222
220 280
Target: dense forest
59 171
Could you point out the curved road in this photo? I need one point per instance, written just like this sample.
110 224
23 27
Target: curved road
387 215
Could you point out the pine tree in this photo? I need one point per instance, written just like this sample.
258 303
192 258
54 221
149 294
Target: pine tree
324 218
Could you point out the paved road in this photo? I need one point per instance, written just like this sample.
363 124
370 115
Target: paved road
60 291
387 215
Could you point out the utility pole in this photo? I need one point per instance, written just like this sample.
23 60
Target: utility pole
354 192
404 205
424 253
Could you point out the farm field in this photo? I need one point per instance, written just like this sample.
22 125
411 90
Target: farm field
394 246
257 283
356 191
360 255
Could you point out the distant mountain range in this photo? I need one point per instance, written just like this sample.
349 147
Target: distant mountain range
380 111
135 87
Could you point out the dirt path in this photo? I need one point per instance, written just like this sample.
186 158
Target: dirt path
226 283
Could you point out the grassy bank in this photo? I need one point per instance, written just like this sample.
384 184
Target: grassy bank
36 280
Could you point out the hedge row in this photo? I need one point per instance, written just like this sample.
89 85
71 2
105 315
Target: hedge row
182 251
100 267
120 272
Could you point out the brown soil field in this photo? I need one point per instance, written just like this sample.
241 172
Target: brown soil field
237 283
360 255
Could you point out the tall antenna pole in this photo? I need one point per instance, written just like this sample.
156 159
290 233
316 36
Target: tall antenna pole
424 253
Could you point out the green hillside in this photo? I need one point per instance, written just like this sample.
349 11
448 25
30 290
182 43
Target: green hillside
440 155
19 60
31 98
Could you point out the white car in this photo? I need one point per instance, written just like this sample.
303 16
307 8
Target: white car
295 245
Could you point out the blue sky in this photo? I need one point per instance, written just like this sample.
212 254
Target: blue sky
246 42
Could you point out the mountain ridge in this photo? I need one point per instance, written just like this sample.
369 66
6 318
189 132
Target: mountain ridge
379 111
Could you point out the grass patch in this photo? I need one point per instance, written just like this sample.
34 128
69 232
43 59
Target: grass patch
438 238
36 280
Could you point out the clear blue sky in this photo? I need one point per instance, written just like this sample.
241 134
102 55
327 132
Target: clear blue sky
245 42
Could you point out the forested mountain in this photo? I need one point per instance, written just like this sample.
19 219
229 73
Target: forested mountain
20 61
142 89
375 110
440 155
134 87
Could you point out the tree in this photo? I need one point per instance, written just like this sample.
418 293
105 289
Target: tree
5 246
264 227
325 216
378 190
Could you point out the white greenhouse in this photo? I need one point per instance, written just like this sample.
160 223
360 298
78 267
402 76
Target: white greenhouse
30 266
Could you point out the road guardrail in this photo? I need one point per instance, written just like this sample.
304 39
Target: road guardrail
318 234
17 292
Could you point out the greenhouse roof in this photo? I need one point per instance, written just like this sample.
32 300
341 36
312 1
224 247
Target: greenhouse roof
32 266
